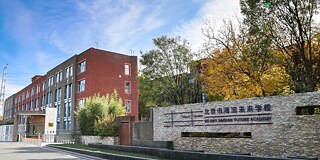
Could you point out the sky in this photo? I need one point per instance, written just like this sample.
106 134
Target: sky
37 35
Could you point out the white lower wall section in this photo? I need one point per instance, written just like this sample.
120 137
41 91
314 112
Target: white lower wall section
6 133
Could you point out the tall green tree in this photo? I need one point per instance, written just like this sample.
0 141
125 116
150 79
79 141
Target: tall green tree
293 32
165 78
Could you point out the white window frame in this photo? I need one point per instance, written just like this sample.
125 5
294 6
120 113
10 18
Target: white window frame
81 85
128 102
82 66
125 87
127 71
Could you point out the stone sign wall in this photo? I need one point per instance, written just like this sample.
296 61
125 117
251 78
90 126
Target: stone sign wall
271 126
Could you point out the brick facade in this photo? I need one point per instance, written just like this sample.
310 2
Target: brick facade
104 72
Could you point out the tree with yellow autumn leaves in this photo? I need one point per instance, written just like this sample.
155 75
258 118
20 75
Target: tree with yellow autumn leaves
274 50
240 65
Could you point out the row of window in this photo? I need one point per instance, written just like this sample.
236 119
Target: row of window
81 88
47 99
69 71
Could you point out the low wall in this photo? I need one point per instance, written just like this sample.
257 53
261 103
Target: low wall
171 154
272 125
32 141
142 131
98 139
154 144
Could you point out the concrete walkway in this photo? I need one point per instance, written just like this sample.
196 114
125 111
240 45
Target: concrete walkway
22 151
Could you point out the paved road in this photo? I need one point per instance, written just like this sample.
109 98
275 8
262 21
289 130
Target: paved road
21 151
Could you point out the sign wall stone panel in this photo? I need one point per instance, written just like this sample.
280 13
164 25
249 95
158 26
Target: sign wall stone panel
276 130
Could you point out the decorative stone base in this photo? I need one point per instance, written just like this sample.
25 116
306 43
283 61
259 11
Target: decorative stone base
102 140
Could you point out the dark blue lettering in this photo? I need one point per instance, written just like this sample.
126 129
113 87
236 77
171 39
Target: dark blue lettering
241 109
213 111
234 110
226 109
220 110
206 112
249 108
258 108
267 107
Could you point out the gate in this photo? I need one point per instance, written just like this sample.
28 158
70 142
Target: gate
125 130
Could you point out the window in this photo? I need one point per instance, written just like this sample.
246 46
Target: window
28 94
43 100
58 95
128 106
49 98
37 104
127 87
70 90
69 71
44 85
38 88
82 67
31 105
69 109
50 81
127 69
58 77
81 103
32 91
81 85
65 109
58 111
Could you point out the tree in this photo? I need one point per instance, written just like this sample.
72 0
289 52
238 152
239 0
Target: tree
240 64
99 114
165 78
291 28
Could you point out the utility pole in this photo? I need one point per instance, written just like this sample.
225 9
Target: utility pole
3 89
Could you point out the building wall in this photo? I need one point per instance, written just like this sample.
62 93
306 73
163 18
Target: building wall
280 133
64 83
8 110
104 73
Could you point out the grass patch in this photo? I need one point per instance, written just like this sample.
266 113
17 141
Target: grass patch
90 148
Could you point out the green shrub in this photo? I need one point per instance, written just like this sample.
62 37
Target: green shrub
98 116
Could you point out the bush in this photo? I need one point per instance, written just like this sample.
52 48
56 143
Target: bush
106 129
99 114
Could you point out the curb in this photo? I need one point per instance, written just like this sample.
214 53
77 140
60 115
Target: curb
101 154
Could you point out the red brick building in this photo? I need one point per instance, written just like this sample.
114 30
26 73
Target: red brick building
66 86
